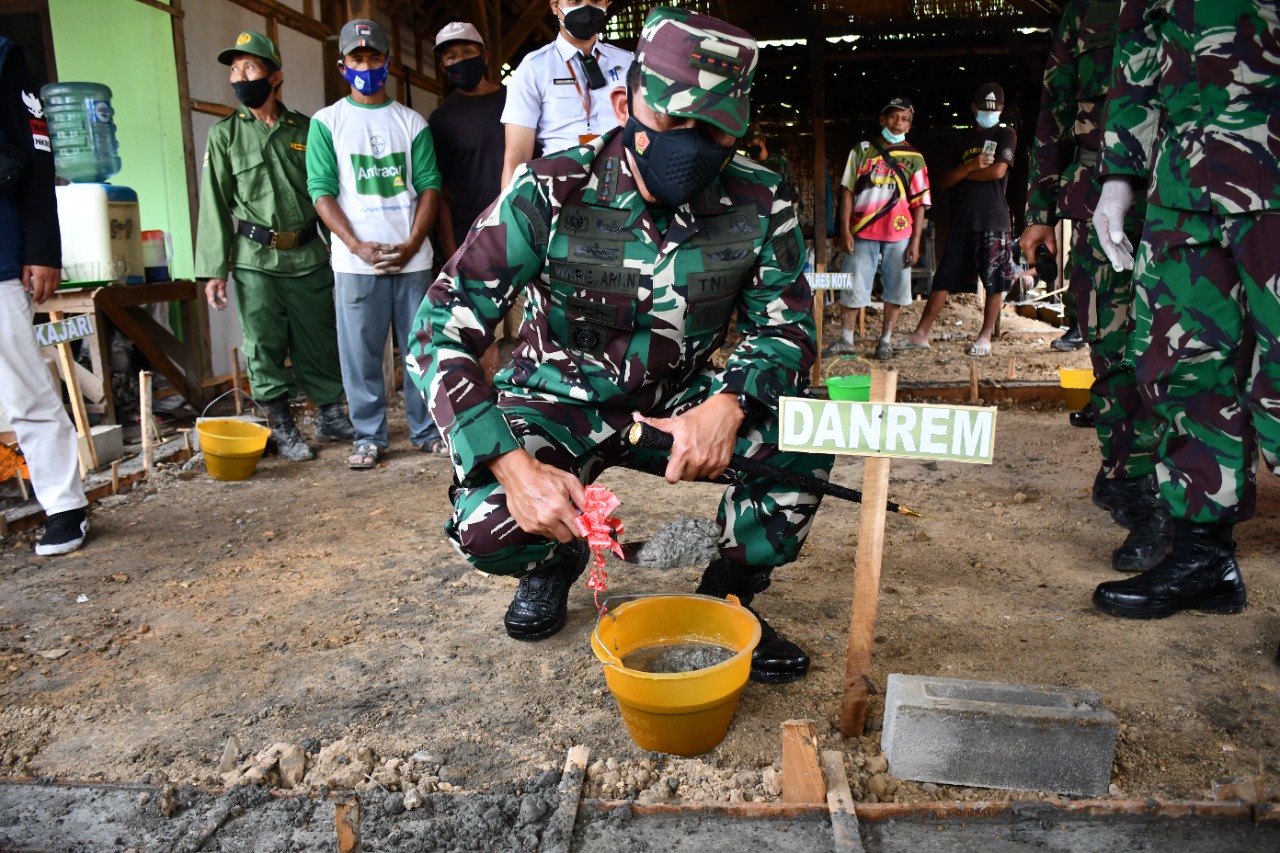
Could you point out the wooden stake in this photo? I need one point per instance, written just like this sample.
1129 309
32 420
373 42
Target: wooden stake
235 379
186 441
862 323
973 381
144 415
347 815
1012 372
844 818
115 477
89 459
22 487
866 585
802 780
559 832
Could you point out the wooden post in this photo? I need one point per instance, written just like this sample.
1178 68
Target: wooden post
1012 372
88 459
347 816
802 780
144 417
115 477
235 379
817 75
866 584
973 381
389 366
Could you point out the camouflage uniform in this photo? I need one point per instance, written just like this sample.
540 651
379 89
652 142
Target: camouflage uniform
626 305
1195 97
1063 186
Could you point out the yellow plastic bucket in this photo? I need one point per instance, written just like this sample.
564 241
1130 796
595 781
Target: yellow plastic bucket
231 448
856 388
1076 383
681 713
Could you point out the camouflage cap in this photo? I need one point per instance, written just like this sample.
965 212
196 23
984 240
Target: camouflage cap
696 66
254 44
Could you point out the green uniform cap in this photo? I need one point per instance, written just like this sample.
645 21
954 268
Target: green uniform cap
696 66
255 44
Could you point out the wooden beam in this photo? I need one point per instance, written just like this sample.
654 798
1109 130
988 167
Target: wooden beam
291 18
174 10
209 108
802 780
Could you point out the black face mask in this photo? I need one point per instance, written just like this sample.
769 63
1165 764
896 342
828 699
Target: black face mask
675 165
585 22
466 74
253 93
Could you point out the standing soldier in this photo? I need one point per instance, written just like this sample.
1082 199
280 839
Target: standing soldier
1063 185
1191 120
255 171
635 252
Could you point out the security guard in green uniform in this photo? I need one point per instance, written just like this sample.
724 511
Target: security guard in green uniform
255 171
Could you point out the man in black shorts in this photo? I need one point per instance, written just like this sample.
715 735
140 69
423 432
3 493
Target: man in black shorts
980 245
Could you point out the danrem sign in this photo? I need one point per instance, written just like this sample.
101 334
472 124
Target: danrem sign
952 433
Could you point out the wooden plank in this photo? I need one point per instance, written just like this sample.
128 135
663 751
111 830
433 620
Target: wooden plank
844 817
558 835
209 108
290 18
89 453
347 816
866 582
156 343
802 780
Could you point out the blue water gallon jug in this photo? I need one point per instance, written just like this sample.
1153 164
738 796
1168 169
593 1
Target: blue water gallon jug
83 131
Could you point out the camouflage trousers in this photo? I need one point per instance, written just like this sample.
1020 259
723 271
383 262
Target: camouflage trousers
1207 317
1104 316
762 523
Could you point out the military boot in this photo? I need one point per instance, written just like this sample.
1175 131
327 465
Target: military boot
288 440
1150 528
775 660
1200 573
541 602
1106 494
333 424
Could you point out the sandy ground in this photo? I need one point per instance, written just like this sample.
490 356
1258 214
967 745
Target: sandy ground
321 607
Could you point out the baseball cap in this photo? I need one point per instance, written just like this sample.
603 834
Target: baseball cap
457 31
362 33
898 104
255 44
989 96
697 66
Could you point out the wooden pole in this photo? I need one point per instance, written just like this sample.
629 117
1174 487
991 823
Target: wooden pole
89 456
866 585
817 75
235 379
144 417
973 381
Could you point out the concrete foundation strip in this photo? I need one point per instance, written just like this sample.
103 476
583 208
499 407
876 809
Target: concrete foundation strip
844 816
559 832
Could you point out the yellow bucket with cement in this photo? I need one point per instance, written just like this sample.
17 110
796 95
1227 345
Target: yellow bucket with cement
231 448
1076 383
681 713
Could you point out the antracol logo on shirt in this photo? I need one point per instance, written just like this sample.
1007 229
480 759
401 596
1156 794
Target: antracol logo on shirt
380 176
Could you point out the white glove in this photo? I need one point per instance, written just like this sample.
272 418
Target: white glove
1108 223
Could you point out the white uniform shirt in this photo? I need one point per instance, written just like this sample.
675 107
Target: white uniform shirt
548 92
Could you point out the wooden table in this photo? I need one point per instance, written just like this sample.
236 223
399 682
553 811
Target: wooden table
120 305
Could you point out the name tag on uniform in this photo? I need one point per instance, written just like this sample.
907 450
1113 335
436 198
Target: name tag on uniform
562 81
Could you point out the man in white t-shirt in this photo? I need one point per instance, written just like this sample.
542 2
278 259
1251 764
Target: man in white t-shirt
558 97
371 171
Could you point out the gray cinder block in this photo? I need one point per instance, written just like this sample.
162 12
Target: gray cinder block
985 734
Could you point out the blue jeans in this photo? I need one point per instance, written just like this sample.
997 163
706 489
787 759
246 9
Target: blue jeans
895 275
368 307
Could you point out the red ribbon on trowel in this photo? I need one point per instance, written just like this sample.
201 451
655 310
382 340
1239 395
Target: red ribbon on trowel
601 532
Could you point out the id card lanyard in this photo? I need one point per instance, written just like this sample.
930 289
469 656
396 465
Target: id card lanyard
584 98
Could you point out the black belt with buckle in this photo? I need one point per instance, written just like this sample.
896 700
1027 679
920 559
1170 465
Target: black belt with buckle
278 239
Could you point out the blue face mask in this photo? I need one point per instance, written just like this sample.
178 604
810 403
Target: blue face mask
894 138
368 82
988 118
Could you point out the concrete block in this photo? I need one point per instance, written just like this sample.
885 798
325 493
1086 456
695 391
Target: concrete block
985 734
108 441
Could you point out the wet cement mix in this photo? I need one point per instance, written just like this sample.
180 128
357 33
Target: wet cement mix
310 627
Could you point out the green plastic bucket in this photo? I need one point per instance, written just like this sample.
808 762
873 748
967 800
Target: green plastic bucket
855 388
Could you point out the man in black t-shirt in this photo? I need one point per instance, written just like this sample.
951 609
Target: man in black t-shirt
980 245
467 131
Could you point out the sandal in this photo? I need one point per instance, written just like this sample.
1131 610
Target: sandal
365 455
978 350
438 447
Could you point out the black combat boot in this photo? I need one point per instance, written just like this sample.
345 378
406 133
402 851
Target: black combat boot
1070 342
1148 522
1200 573
288 440
541 602
775 660
1106 494
333 424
